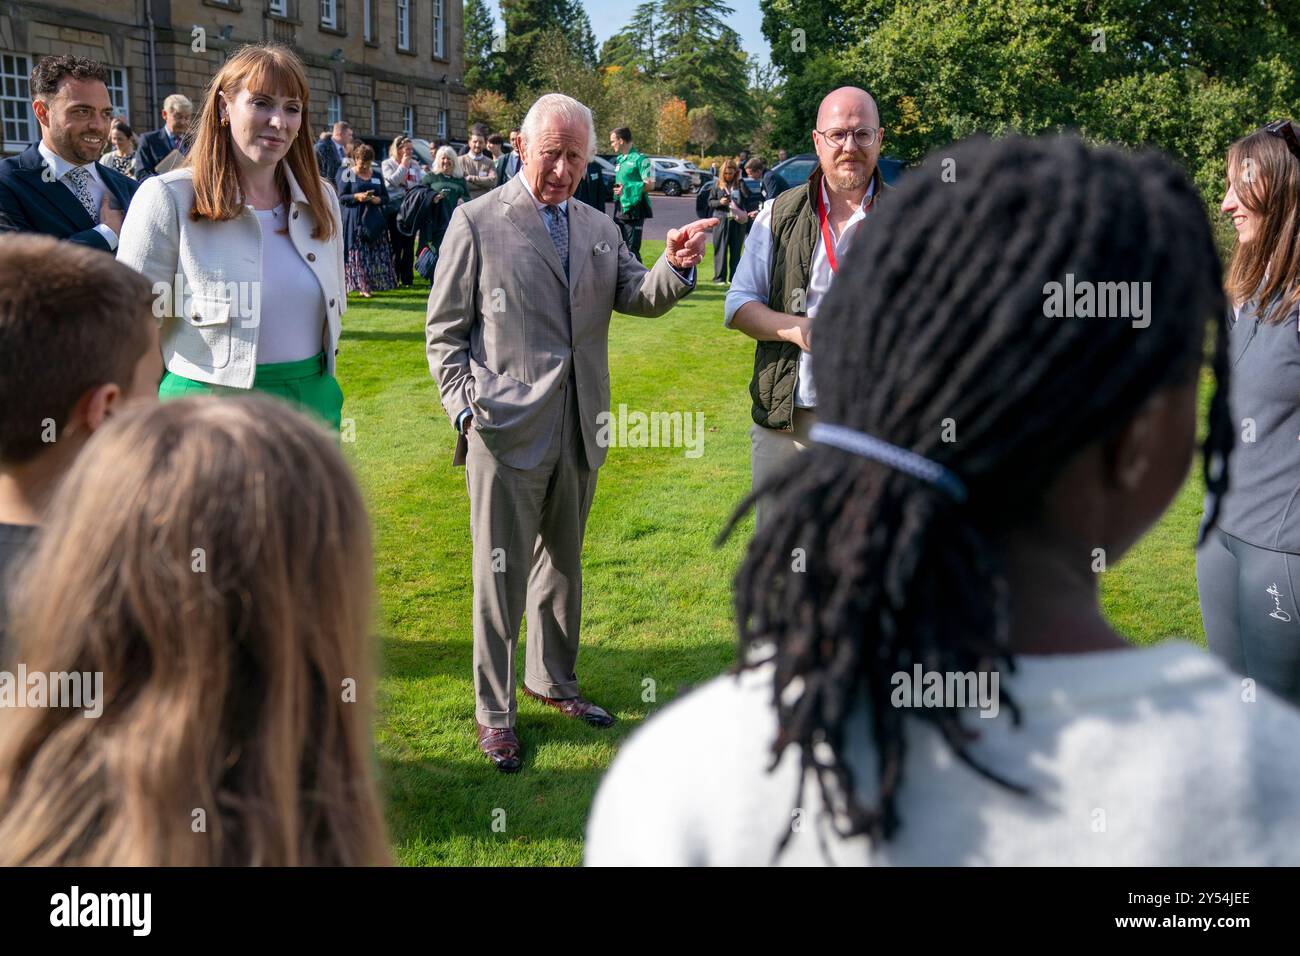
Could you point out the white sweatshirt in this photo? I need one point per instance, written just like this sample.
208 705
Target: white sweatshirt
1142 757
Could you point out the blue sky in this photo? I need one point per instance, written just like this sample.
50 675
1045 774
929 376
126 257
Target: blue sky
610 16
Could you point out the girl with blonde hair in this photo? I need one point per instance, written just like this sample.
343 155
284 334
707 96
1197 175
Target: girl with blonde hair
211 559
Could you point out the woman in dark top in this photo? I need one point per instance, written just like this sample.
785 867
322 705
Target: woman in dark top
728 200
1248 569
368 257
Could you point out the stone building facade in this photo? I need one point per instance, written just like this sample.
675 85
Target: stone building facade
385 66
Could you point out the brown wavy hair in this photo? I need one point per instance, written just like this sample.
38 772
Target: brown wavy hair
272 69
1271 192
211 558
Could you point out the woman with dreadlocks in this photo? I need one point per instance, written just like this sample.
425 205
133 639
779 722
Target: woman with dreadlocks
986 448
1249 567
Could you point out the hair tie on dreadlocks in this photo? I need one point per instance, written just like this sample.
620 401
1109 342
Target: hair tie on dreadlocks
877 449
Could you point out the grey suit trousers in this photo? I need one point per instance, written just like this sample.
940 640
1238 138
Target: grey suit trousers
527 527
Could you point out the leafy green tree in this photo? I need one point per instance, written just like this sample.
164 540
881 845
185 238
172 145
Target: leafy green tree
527 23
1188 76
482 63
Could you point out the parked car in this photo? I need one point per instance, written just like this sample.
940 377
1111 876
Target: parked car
689 174
672 181
796 170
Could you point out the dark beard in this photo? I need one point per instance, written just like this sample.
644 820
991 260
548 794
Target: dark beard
73 149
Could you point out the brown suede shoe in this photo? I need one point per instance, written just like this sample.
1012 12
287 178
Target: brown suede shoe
501 746
575 707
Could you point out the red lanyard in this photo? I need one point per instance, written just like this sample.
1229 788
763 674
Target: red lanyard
827 239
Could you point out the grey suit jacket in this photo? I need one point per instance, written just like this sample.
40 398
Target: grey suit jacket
505 326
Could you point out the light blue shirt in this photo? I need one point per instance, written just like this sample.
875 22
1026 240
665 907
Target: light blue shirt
751 280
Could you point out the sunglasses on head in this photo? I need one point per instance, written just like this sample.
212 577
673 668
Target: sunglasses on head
1283 130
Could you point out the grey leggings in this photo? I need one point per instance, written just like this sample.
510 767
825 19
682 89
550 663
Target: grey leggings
1249 608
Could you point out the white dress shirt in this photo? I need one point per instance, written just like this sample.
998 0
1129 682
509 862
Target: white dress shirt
750 283
60 167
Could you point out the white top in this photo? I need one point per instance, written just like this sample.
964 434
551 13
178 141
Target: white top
60 167
1144 757
750 283
400 179
293 327
209 276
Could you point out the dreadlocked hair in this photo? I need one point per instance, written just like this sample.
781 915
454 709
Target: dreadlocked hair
937 321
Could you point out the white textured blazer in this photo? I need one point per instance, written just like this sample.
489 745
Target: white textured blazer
208 279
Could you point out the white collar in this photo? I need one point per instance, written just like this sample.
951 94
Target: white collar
871 191
564 206
58 164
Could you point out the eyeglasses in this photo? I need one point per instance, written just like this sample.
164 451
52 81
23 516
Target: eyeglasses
864 136
1283 130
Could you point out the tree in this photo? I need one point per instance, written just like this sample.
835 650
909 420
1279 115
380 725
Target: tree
482 67
582 39
1188 80
527 22
673 129
704 128
702 59
492 109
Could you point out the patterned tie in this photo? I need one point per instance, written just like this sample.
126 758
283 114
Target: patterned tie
78 180
557 224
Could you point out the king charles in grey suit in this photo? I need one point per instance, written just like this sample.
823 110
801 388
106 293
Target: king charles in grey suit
518 338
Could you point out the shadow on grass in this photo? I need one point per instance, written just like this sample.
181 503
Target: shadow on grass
442 792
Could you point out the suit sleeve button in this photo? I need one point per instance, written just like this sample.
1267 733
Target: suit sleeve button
311 257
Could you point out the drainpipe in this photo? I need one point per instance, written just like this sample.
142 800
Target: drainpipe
153 62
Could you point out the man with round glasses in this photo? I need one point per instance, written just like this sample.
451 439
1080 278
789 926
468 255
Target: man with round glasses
791 255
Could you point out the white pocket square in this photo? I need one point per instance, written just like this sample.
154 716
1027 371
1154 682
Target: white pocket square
600 249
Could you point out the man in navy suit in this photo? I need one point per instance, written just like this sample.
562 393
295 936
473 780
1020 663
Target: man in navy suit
57 186
509 164
332 152
155 146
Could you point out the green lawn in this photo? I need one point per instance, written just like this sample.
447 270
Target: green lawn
657 606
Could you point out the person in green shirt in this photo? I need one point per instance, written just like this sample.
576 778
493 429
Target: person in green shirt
633 179
449 191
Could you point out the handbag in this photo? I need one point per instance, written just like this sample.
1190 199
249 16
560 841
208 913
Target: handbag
426 262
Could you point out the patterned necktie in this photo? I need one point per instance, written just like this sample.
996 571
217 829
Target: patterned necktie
557 224
78 180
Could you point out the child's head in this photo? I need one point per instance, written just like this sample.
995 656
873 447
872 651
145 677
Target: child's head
211 558
77 339
1030 314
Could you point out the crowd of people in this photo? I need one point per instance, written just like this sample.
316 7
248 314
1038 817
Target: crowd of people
934 500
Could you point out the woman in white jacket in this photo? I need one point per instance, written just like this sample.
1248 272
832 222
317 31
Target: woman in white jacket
244 244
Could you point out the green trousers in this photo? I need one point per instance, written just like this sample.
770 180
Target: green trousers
304 384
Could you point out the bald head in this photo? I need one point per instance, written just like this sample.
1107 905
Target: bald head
847 164
848 108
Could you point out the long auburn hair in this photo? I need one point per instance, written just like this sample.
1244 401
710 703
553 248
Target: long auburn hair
211 559
269 68
1271 192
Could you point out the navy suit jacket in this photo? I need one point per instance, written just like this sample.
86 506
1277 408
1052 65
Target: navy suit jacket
28 203
153 149
327 161
504 162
